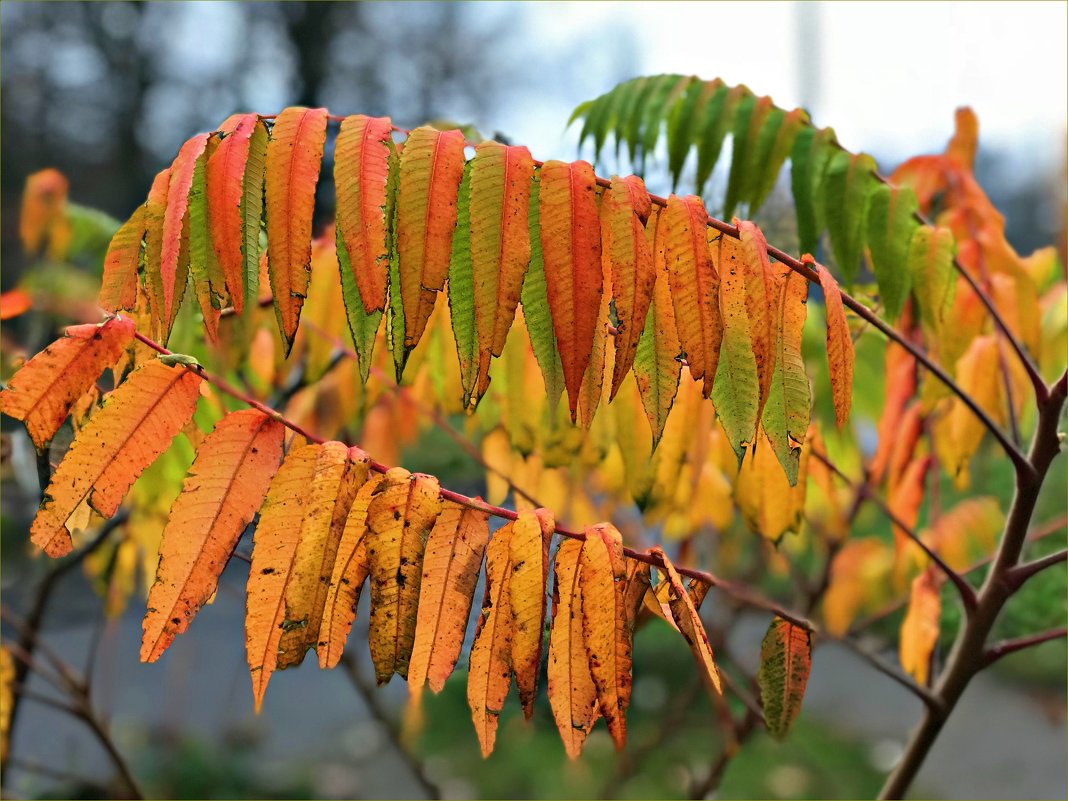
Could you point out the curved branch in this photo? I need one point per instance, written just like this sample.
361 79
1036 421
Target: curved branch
1006 647
884 667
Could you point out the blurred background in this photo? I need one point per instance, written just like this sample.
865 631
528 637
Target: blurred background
107 91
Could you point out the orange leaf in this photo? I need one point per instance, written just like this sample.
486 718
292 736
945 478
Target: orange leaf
361 172
527 577
135 426
44 208
42 392
14 303
294 157
500 243
431 166
689 622
785 662
489 674
919 629
762 300
177 204
571 252
605 624
118 285
839 344
451 564
625 210
572 692
694 286
225 487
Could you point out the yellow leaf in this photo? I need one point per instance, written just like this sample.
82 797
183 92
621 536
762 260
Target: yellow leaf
572 692
402 512
919 629
453 558
7 683
528 574
489 675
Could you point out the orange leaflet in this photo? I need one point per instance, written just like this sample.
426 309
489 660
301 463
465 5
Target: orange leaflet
625 210
431 165
489 673
124 437
225 180
14 303
528 574
155 209
274 549
572 692
905 499
605 624
839 343
294 157
763 299
694 285
919 629
571 252
500 243
174 218
361 172
118 285
225 487
42 392
451 564
43 217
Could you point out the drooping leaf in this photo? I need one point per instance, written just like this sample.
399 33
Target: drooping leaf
920 628
339 475
891 223
135 426
785 661
768 501
774 144
607 636
431 166
572 692
462 292
222 492
684 612
681 123
694 282
490 672
209 281
234 181
274 549
535 300
787 412
845 189
839 346
363 327
930 264
736 393
715 121
118 285
181 180
748 121
451 564
528 574
500 243
294 158
155 209
811 153
361 172
625 209
762 298
571 254
351 567
43 391
401 514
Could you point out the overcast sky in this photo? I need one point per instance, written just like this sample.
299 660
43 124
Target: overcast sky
887 76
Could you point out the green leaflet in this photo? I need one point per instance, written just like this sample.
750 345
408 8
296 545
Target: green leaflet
395 306
679 125
252 212
847 185
788 408
741 142
667 92
773 146
631 125
362 326
535 300
208 279
736 390
930 263
785 662
462 291
812 150
714 122
891 224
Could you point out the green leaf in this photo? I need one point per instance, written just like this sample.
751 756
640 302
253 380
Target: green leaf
395 318
462 291
846 188
891 224
741 142
776 140
812 150
679 128
785 662
535 300
252 212
658 106
362 326
930 263
715 121
209 282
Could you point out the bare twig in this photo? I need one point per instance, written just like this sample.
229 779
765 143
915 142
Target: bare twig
1006 647
884 667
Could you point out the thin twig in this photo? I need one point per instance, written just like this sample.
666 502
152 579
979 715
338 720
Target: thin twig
884 667
1021 573
1006 647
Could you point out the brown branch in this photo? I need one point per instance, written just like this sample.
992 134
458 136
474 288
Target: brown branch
1006 647
1021 573
884 667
